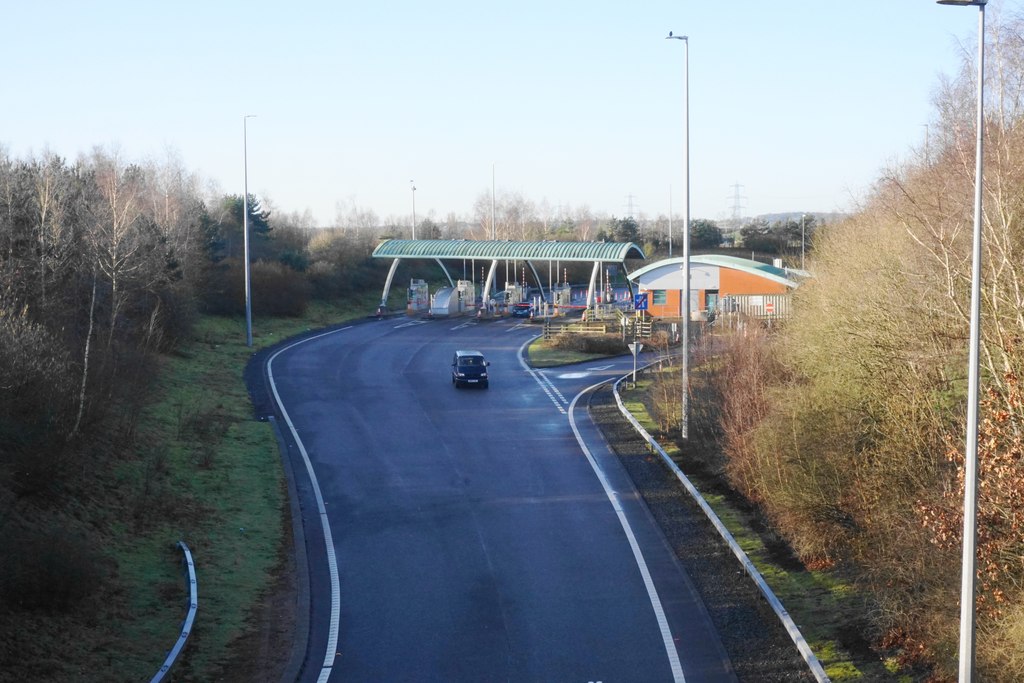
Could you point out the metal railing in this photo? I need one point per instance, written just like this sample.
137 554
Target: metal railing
190 616
748 565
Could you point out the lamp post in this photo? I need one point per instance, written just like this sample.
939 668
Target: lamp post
968 570
686 235
245 227
670 221
413 183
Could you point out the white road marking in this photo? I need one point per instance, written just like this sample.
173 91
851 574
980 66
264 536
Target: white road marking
332 560
545 384
652 591
547 380
411 323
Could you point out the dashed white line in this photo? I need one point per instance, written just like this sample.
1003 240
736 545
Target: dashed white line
545 384
410 323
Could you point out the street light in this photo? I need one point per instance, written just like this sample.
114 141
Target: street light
686 235
411 182
968 571
245 228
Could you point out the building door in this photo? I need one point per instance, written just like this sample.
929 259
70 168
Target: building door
711 301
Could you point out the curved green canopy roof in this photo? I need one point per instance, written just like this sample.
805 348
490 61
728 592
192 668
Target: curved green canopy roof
615 252
746 265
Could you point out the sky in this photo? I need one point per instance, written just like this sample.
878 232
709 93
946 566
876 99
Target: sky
793 106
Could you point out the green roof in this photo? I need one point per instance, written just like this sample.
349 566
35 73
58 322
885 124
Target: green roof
764 270
614 252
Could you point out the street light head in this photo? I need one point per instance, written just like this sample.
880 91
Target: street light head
964 3
670 36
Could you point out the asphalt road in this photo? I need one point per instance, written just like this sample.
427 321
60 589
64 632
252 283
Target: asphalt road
465 534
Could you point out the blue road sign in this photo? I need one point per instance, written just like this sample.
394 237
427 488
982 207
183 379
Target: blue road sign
640 301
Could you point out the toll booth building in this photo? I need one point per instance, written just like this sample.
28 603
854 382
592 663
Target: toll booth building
717 284
464 296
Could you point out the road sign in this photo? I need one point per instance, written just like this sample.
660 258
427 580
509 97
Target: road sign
640 301
636 347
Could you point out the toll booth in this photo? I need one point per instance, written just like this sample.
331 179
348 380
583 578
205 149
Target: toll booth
419 297
561 295
515 293
465 292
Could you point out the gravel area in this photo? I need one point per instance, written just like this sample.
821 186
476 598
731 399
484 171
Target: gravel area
759 647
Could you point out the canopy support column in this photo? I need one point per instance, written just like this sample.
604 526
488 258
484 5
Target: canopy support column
593 284
446 273
387 287
486 293
536 276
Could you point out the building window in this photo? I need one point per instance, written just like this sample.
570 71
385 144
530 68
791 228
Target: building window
659 297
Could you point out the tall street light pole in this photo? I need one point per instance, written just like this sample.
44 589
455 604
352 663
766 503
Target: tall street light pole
245 228
413 183
968 570
670 221
686 235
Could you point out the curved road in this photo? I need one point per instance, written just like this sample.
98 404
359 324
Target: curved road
474 535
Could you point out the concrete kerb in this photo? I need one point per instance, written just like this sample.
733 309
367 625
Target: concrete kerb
748 566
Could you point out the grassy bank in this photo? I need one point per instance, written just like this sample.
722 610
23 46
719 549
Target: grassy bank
224 469
195 466
826 607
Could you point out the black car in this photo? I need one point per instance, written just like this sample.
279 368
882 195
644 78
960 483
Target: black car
522 310
469 369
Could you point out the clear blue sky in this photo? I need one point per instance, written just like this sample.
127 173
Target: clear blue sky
575 103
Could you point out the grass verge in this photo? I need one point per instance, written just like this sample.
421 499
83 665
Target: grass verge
826 608
543 354
196 466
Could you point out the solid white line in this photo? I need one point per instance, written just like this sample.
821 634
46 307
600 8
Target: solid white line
332 561
652 591
748 565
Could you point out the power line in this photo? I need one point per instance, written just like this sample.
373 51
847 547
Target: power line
737 202
630 208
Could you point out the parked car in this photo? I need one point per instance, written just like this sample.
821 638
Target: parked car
522 310
469 368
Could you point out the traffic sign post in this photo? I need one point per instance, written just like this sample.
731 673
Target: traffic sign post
635 348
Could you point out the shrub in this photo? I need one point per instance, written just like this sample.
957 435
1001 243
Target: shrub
277 290
53 570
607 344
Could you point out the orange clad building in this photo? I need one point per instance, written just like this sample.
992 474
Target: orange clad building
713 277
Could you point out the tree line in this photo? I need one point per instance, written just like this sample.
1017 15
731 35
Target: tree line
847 426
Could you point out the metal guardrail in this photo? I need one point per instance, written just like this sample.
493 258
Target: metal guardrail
748 566
190 616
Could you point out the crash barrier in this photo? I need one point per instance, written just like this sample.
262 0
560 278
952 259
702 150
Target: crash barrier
186 628
748 566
